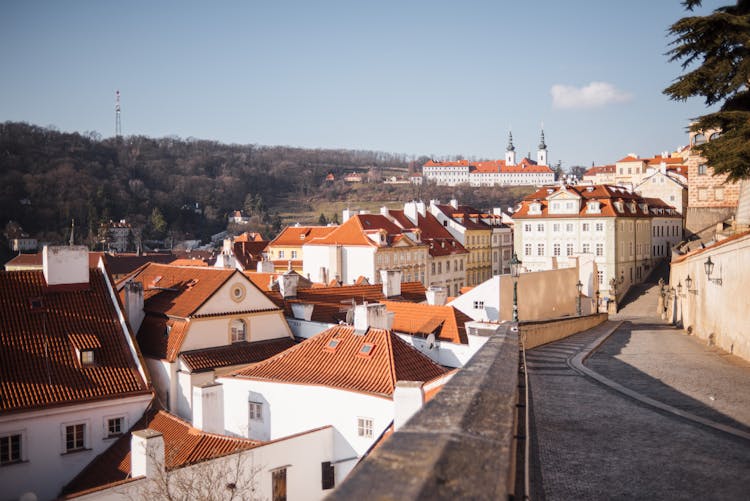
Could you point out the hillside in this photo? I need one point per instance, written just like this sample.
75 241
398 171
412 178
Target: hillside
185 188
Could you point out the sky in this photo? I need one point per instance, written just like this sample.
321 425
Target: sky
436 78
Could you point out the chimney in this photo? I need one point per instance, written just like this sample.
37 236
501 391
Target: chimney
134 304
421 208
436 296
384 211
208 407
371 315
66 266
391 282
408 399
146 453
227 247
302 311
346 214
411 211
288 284
454 203
265 266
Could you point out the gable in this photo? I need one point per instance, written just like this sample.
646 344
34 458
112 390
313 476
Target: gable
237 294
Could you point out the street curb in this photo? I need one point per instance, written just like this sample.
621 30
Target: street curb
577 363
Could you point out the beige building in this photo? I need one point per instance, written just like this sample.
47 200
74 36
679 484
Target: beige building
666 185
555 225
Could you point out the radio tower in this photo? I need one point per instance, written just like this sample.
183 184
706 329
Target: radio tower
118 124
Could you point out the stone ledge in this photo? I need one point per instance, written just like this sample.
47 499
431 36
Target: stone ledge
460 445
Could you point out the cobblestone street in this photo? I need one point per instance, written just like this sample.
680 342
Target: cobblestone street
591 441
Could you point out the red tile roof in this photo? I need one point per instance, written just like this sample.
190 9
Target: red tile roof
292 236
354 232
39 366
600 169
249 236
154 340
189 262
234 354
183 446
466 216
446 322
313 362
630 158
495 166
606 195
439 239
248 253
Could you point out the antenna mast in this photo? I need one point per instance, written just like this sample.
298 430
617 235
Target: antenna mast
118 123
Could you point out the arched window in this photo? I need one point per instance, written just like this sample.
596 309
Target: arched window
699 139
237 328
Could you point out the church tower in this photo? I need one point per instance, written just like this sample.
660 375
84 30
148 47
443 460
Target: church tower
541 153
510 151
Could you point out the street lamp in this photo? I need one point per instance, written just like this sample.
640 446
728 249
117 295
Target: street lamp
679 289
597 300
688 282
579 286
709 267
515 268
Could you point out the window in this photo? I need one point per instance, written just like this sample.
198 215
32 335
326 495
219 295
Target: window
327 477
569 249
447 266
599 250
433 268
115 426
527 249
702 170
527 228
569 227
10 449
540 249
556 228
366 350
586 248
255 411
294 254
600 277
281 254
238 330
87 357
599 226
585 226
556 249
440 268
719 194
74 437
540 227
278 484
364 427
478 305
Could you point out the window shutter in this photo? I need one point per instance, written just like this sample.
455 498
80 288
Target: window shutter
327 479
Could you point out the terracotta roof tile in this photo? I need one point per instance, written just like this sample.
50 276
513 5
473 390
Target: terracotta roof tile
156 342
234 354
293 236
606 195
446 322
83 319
354 231
313 362
434 234
183 446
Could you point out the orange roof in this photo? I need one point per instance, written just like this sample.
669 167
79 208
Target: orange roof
292 236
183 446
658 159
157 341
260 279
446 322
605 194
439 239
39 366
494 166
179 290
189 262
346 366
630 158
354 231
249 236
601 169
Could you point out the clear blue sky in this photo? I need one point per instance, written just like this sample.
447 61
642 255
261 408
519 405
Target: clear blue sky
417 77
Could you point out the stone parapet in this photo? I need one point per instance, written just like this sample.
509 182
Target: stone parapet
535 334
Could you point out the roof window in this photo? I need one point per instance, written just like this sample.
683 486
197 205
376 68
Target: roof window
366 350
36 303
87 357
332 345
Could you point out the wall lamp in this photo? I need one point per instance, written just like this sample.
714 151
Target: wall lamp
709 267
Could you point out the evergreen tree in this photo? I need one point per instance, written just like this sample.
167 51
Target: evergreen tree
717 49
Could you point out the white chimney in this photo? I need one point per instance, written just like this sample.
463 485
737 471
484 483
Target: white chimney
66 265
454 203
265 266
408 399
146 453
288 284
208 407
134 304
384 211
411 211
371 315
302 311
421 208
227 247
346 214
436 296
391 282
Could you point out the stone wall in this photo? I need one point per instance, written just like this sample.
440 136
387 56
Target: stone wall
535 334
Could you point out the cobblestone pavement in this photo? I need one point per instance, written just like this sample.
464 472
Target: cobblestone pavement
591 442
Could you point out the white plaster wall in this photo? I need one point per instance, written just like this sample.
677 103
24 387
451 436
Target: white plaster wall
358 261
210 332
222 302
316 256
443 352
489 292
46 468
305 329
717 313
291 408
302 456
160 371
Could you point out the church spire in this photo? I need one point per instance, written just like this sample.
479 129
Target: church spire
541 153
510 142
510 151
72 240
542 145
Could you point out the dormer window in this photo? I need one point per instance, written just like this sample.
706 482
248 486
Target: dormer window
366 350
619 207
332 345
36 303
594 206
535 208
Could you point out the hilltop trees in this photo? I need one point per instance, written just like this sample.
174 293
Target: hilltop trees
716 51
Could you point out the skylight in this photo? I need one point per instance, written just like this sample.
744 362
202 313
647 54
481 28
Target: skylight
366 350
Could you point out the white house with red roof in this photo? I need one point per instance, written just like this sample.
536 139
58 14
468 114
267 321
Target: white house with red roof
345 376
362 246
71 376
193 323
493 172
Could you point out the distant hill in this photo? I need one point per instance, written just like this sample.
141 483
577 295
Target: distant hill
48 178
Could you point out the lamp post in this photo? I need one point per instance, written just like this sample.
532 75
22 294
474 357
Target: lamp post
708 266
688 282
579 286
515 266
597 300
